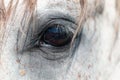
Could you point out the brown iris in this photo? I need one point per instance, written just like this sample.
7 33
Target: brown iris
57 35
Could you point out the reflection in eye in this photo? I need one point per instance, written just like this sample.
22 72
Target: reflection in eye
56 35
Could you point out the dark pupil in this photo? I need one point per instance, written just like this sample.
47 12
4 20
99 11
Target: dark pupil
57 35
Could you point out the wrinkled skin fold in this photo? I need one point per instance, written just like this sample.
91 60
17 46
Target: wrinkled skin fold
92 51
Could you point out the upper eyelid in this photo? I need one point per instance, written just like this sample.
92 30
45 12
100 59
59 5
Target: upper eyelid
66 19
48 15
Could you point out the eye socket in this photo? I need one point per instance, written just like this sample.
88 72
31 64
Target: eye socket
52 38
56 35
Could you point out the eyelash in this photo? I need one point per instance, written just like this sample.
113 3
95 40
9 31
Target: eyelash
53 22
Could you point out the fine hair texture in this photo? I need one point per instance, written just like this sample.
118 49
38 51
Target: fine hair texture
7 16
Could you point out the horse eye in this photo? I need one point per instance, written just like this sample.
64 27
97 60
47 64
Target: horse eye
52 38
56 35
